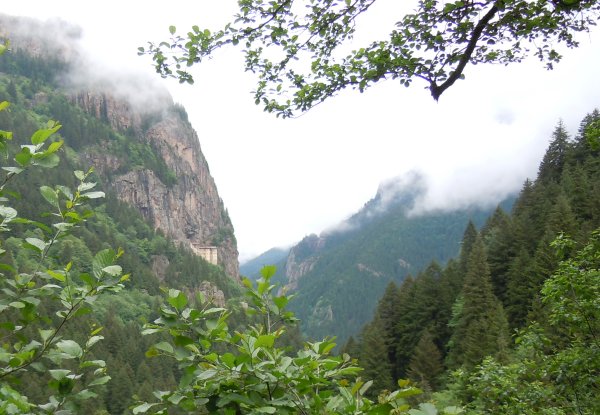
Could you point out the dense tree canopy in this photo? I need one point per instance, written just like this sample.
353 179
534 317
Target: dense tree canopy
294 47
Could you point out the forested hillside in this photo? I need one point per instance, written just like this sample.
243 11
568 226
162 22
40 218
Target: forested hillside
338 276
34 88
506 301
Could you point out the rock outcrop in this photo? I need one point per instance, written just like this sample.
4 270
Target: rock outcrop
301 259
174 191
187 208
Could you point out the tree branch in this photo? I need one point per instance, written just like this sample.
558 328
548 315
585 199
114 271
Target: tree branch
438 90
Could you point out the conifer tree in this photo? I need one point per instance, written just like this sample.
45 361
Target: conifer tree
556 155
373 357
467 244
481 329
426 364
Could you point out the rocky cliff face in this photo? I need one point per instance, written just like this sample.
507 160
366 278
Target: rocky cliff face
179 197
188 209
301 259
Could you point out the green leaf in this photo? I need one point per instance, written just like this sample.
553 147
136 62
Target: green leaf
57 275
177 299
45 334
50 195
8 212
59 374
48 160
266 410
268 271
113 270
172 29
4 104
69 347
36 243
23 157
92 341
143 408
266 340
93 195
424 409
99 381
164 346
42 135
280 302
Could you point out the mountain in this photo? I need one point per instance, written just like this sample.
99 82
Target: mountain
273 256
531 272
162 206
139 141
338 276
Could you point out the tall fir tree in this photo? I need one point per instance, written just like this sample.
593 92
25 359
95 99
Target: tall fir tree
556 155
373 357
426 365
482 328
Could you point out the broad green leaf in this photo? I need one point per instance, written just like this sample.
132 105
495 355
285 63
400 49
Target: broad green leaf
50 195
23 157
92 341
42 135
93 195
69 347
8 213
57 275
36 243
268 271
113 270
143 408
55 146
266 410
85 394
59 374
164 346
48 160
266 340
4 104
99 381
177 299
45 334
424 409
280 302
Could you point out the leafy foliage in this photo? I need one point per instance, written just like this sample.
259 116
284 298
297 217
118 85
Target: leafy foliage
246 372
293 48
36 305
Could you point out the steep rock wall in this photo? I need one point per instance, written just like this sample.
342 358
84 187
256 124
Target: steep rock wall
189 211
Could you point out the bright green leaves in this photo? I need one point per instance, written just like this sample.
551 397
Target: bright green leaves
177 299
434 44
246 372
33 335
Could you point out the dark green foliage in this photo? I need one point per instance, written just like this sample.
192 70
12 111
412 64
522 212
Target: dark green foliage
513 268
481 329
426 365
357 266
559 361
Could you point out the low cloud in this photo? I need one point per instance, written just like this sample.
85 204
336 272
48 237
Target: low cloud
55 38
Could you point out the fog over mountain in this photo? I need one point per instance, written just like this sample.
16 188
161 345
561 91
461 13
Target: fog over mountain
283 179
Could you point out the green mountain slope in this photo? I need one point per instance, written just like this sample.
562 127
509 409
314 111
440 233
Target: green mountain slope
36 92
338 277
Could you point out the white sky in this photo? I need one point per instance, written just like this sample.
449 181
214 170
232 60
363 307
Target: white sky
284 179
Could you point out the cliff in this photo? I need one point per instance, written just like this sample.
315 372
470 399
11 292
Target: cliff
150 157
187 206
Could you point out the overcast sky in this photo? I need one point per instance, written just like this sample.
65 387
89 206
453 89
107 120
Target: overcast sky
284 179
